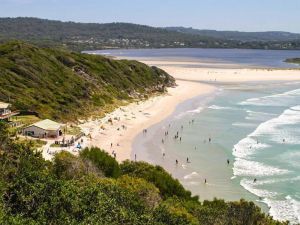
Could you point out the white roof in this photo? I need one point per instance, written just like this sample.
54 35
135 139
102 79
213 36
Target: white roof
4 105
48 125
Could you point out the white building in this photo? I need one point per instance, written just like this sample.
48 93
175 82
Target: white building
44 129
5 112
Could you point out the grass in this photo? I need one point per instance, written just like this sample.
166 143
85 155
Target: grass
55 145
36 143
73 130
27 119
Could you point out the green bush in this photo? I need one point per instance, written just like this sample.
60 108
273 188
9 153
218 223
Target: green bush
102 160
167 185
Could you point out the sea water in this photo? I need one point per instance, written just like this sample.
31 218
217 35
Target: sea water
253 126
256 127
217 58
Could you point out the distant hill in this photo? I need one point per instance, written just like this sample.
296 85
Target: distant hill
239 36
66 85
91 36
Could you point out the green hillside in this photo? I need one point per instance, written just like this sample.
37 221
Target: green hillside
93 36
93 188
65 85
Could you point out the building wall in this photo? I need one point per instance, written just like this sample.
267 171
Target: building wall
39 133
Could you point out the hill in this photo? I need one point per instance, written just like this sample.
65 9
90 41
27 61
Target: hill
92 36
93 188
65 85
274 36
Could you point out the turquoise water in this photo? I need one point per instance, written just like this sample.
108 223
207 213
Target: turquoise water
254 126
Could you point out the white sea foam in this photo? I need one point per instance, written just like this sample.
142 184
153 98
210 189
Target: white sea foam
273 100
243 124
287 209
216 107
247 147
260 116
189 112
273 128
243 167
250 186
191 176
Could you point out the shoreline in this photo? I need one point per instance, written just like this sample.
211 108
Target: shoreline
191 82
134 118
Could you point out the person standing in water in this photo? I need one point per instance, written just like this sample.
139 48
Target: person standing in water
228 161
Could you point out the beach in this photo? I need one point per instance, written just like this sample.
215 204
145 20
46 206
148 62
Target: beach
138 116
199 95
191 82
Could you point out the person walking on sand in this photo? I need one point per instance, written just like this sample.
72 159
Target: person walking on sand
180 139
164 154
205 181
111 144
187 160
162 141
134 157
209 139
176 161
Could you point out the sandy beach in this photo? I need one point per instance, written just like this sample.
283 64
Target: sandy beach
130 120
127 122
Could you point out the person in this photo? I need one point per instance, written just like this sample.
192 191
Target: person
180 139
228 161
205 181
209 140
283 140
176 162
162 141
134 157
195 147
254 180
187 160
164 154
111 144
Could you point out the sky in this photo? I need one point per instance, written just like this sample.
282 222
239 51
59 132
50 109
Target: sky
241 15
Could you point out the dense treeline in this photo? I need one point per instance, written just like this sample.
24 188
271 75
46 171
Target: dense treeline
240 36
93 188
91 36
66 85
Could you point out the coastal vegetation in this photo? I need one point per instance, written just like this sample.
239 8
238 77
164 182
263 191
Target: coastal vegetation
93 188
293 60
91 36
64 85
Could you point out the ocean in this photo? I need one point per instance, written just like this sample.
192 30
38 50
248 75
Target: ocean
244 140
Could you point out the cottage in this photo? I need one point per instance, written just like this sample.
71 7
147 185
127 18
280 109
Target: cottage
44 129
5 112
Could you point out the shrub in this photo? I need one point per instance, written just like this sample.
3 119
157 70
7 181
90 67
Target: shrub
102 160
167 185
